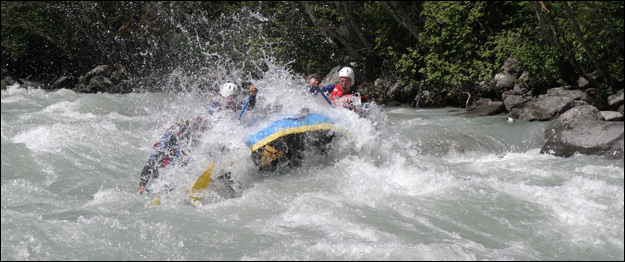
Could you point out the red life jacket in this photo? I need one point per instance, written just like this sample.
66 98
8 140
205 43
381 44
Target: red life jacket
347 100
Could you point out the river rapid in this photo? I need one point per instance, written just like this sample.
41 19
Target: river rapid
402 184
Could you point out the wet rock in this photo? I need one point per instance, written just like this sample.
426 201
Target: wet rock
104 78
67 82
487 109
584 130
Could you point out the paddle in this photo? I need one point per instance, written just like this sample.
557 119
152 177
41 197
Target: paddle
245 106
200 183
324 96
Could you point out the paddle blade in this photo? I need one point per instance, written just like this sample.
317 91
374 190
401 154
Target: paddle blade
155 202
200 184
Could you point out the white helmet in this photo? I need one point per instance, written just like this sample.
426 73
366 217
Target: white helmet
347 72
229 89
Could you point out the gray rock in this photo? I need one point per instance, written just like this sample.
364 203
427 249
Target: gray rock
504 80
392 92
584 130
562 92
612 115
510 66
67 82
582 82
515 101
542 109
99 84
487 109
7 81
333 77
616 99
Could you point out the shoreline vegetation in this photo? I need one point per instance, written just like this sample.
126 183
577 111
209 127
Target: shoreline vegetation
531 60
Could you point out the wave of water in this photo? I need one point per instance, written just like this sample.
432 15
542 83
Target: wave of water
405 184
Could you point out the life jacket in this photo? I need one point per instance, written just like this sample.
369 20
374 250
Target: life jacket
350 100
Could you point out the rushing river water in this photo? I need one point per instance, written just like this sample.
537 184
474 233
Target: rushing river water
404 184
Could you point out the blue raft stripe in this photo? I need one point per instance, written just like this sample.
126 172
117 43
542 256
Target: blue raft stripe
287 126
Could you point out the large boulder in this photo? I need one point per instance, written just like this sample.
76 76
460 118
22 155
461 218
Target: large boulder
332 77
505 80
488 108
402 93
548 106
104 78
584 130
515 101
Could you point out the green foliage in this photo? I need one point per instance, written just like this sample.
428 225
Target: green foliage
296 41
458 44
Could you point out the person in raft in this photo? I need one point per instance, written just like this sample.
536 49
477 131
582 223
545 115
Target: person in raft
170 149
343 93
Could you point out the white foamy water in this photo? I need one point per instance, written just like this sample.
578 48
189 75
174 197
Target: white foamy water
404 184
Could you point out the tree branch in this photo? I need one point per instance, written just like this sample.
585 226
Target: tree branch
401 17
580 36
551 32
618 40
353 26
326 30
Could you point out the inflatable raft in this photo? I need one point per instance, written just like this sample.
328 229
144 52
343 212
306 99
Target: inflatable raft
286 141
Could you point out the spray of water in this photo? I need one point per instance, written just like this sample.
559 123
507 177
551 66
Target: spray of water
229 56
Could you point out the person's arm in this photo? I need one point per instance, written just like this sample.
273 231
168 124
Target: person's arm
148 170
252 102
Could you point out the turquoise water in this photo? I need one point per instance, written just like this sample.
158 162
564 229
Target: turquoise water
405 184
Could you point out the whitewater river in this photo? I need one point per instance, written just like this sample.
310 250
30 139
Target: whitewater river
403 184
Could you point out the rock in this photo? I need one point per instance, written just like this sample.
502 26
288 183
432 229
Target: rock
582 82
504 80
333 77
616 100
99 84
67 82
510 66
563 92
584 130
515 101
476 104
543 109
488 109
549 106
612 115
7 81
392 92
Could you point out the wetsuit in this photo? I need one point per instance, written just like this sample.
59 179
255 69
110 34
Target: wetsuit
171 147
167 150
